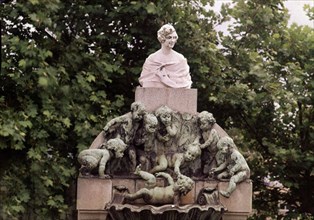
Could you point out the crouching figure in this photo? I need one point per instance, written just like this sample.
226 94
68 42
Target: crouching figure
91 158
233 166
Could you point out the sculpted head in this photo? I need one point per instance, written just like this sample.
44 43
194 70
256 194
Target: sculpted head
117 145
138 111
225 144
192 152
184 184
164 113
150 123
166 32
206 120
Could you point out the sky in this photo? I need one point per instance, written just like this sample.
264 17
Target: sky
297 14
295 7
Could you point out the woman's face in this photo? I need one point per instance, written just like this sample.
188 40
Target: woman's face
171 40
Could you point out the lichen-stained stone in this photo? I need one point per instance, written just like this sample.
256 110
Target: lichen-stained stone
189 198
93 193
240 200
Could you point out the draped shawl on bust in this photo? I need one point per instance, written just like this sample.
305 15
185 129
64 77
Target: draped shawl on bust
175 74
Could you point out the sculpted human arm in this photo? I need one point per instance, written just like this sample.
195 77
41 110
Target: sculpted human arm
212 139
172 130
140 137
114 122
239 163
167 176
178 161
176 199
220 168
103 162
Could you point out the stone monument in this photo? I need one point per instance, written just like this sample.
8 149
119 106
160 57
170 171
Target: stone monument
163 159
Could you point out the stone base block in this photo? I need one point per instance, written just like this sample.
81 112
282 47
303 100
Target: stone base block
92 215
240 200
93 194
235 216
182 100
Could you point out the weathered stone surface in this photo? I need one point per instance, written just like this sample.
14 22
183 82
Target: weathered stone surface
188 198
129 183
93 193
92 215
240 200
181 100
235 216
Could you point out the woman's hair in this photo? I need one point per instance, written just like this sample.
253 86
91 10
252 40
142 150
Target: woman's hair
164 31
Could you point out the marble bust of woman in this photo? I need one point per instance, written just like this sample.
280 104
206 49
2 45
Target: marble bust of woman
166 67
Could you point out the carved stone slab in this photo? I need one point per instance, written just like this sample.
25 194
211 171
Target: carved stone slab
240 200
181 100
95 194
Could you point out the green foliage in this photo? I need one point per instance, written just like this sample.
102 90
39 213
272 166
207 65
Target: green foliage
267 95
54 101
67 67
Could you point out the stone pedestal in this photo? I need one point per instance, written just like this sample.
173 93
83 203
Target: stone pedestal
240 200
93 193
239 205
92 196
181 100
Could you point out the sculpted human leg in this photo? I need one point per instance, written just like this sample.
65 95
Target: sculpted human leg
162 164
237 178
145 162
132 157
150 178
222 175
144 192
